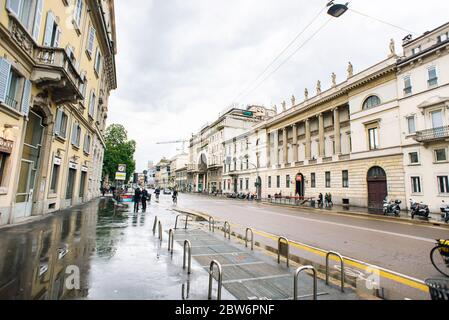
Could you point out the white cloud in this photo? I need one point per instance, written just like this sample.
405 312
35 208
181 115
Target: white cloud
181 62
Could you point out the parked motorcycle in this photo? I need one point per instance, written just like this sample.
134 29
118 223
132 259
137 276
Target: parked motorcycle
445 211
419 209
392 207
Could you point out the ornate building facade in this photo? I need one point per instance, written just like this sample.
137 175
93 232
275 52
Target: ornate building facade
57 68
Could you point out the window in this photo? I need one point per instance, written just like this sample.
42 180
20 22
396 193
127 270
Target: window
241 184
29 13
83 87
287 181
78 12
440 155
52 32
411 124
443 37
407 85
443 184
416 50
416 185
247 163
437 119
345 178
98 60
371 102
278 181
3 159
413 157
61 124
433 78
12 90
373 138
82 184
313 180
13 87
55 178
269 182
247 184
87 143
328 179
76 135
92 104
91 41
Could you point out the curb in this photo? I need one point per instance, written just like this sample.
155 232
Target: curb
358 214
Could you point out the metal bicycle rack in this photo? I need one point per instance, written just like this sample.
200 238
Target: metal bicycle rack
155 225
295 282
177 217
227 230
184 295
342 263
279 250
211 223
252 238
160 231
187 248
171 240
220 279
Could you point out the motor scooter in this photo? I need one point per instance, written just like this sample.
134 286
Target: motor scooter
445 211
419 209
392 207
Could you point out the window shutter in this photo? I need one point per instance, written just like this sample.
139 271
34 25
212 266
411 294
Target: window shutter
5 68
90 45
58 122
74 133
49 29
13 6
26 98
57 37
38 19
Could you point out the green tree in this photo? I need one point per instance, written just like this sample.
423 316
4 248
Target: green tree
119 150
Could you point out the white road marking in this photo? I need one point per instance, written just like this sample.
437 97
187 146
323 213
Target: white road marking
258 278
238 264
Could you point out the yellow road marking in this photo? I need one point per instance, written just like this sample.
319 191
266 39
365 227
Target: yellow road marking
384 273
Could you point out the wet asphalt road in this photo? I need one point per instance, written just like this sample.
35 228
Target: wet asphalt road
398 246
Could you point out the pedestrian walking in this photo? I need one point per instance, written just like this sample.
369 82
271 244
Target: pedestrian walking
137 199
144 199
320 200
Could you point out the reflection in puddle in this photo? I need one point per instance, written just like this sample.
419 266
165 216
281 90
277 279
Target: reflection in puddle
37 260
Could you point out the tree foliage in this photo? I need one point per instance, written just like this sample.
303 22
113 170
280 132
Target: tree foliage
119 150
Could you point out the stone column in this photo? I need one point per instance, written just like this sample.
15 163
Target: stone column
285 145
308 141
295 143
337 134
268 150
321 135
276 147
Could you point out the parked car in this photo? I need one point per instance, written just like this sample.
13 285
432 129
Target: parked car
167 191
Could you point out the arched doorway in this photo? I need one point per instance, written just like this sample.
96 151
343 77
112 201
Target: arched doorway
299 191
377 189
29 165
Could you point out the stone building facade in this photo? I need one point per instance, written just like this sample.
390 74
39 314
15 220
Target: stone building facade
57 68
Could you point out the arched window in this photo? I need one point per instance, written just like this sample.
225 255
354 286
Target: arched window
371 102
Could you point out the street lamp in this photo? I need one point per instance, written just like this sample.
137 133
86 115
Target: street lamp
337 10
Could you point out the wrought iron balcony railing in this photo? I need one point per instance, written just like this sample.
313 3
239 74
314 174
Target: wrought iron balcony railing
11 102
432 134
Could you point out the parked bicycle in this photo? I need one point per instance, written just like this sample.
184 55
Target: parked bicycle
440 256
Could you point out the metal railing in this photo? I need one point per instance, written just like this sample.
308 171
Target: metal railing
332 253
211 224
155 225
252 238
187 251
432 134
160 231
171 240
279 249
295 282
227 230
184 295
220 279
11 102
177 217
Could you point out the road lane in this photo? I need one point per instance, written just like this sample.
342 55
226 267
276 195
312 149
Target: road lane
402 247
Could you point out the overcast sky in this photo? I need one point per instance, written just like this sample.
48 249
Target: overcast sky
181 62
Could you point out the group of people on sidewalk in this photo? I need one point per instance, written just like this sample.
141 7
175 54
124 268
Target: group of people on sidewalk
142 196
327 200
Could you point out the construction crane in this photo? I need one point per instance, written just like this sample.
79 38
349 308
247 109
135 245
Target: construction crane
175 142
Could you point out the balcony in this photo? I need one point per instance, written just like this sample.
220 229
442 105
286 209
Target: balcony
436 134
214 165
55 71
11 102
